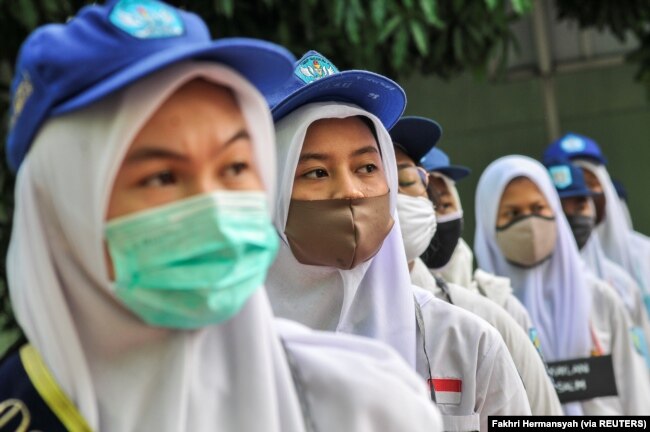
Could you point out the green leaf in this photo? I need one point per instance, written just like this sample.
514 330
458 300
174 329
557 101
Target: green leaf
339 12
419 34
430 15
400 48
352 28
521 7
491 4
378 11
225 7
389 28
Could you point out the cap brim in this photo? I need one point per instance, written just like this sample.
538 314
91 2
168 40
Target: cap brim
454 172
576 193
264 64
374 93
416 135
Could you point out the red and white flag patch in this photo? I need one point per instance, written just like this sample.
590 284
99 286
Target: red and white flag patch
447 391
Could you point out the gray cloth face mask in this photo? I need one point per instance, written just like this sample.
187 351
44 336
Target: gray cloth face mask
341 233
528 241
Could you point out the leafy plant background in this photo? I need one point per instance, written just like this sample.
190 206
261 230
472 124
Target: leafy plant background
394 37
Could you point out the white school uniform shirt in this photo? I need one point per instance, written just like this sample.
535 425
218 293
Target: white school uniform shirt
541 393
611 325
496 288
626 287
124 375
473 373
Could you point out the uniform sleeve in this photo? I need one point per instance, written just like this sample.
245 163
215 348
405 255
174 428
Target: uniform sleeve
504 393
356 384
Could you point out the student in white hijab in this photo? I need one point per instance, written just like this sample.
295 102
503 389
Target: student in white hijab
141 241
522 233
413 137
341 262
448 256
580 212
622 245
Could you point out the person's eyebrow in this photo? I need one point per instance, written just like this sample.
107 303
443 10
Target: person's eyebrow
364 150
313 156
405 165
152 151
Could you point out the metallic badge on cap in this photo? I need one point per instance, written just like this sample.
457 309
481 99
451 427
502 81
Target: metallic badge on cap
146 19
314 67
561 176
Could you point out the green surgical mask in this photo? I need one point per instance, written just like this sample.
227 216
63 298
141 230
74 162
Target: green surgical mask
194 262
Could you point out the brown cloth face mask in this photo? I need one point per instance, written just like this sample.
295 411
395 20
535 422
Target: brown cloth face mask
339 233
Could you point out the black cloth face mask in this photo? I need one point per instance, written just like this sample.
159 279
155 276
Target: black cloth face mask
443 243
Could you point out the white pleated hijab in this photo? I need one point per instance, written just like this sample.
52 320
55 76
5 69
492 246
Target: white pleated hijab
374 299
555 293
617 240
122 374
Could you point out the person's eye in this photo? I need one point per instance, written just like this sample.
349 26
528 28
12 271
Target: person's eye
368 169
161 179
538 208
315 174
512 214
406 184
236 169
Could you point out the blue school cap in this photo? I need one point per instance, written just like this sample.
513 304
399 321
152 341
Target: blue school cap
568 179
415 135
65 67
316 79
438 161
573 146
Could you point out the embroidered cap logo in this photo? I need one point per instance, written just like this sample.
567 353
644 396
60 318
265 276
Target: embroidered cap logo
146 19
313 68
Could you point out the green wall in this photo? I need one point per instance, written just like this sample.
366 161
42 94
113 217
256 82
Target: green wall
483 121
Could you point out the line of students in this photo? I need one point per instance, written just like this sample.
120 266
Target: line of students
174 270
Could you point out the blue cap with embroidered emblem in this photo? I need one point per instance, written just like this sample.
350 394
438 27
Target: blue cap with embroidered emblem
65 67
316 79
415 135
574 146
438 161
567 178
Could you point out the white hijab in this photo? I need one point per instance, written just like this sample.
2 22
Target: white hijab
617 240
122 374
555 293
374 299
